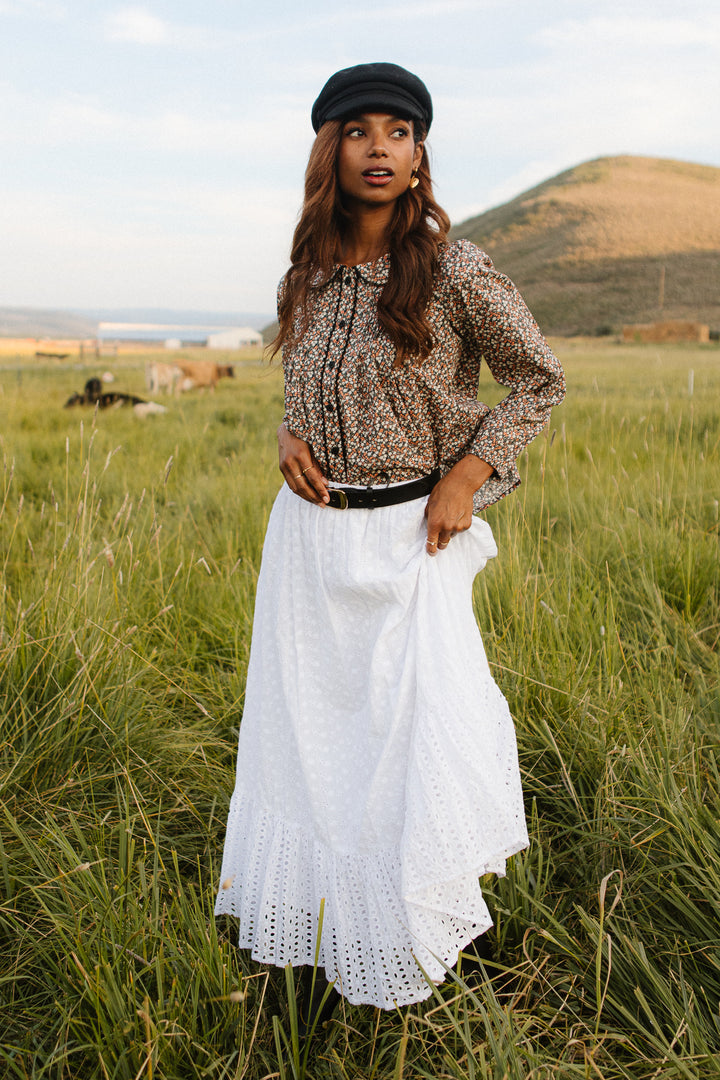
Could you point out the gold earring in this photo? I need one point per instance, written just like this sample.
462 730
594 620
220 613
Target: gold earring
414 181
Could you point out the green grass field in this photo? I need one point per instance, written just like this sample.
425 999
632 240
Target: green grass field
130 551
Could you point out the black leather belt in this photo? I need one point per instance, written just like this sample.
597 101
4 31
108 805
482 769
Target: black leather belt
352 498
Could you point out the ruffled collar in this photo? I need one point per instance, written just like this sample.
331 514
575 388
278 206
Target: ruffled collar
376 272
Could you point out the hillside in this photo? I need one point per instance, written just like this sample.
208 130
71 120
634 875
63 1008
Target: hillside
39 323
589 248
83 323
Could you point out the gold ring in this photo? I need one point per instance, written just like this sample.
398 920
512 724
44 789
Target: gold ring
306 470
443 546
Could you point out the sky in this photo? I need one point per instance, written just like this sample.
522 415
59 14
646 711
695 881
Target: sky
152 154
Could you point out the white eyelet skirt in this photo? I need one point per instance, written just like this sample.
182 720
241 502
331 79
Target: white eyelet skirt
377 766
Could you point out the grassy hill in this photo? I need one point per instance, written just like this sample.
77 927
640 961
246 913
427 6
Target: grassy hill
611 241
39 322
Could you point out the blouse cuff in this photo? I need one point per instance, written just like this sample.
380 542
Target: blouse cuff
495 488
486 447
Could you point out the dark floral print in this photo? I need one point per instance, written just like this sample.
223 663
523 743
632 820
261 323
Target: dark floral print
370 422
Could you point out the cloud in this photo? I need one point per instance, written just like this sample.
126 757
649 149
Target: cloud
48 9
633 32
523 125
196 245
36 120
138 26
421 10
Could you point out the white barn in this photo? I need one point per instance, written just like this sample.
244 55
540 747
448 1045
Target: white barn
234 338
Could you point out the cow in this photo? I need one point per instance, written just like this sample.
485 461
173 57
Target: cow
202 373
159 376
93 395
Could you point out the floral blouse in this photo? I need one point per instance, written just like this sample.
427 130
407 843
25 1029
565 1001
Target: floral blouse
369 422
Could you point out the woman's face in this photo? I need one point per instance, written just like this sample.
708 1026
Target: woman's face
376 158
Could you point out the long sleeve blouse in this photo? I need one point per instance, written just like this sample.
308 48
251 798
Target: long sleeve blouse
369 421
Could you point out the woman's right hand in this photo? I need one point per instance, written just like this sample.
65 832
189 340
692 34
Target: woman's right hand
302 473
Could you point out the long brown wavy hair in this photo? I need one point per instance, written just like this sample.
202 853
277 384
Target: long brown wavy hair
418 230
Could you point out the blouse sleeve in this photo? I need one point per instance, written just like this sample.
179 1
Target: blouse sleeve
279 295
493 319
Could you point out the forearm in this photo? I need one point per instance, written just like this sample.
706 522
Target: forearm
470 473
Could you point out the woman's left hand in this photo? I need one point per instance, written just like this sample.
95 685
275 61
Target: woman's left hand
450 506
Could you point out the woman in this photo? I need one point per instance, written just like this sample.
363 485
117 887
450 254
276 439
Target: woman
377 772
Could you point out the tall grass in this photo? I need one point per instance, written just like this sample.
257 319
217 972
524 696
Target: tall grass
129 554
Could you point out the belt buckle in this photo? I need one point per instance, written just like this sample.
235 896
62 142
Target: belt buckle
342 503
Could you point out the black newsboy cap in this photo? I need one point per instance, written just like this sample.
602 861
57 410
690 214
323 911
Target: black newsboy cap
373 86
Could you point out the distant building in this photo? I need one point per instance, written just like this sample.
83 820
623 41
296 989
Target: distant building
154 333
214 335
235 338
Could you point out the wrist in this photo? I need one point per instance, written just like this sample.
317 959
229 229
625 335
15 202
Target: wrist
472 472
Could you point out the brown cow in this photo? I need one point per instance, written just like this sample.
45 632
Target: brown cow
200 373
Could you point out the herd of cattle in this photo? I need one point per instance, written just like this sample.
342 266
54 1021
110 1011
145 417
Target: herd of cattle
175 378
